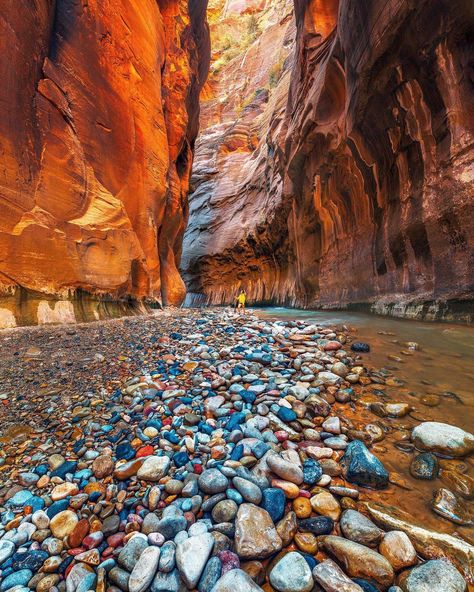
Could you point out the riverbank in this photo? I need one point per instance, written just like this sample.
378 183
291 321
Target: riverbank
141 453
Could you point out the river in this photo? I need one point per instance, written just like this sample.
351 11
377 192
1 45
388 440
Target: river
440 373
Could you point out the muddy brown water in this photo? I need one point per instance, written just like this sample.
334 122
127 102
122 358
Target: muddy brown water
443 365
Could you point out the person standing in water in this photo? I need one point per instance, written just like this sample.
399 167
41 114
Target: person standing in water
241 299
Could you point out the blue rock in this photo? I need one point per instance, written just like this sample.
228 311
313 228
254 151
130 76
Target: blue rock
87 583
68 466
260 449
32 560
167 557
365 585
180 459
318 525
310 560
210 575
312 471
235 420
248 396
167 582
286 414
41 470
360 346
17 578
273 501
57 507
124 451
36 503
237 453
234 495
169 526
21 498
360 466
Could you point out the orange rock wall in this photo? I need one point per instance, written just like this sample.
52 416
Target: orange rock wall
359 186
99 115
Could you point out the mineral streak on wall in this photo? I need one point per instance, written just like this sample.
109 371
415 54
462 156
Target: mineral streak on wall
349 178
99 116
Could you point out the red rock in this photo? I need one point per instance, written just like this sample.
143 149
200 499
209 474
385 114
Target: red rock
341 172
145 451
93 540
126 470
332 346
94 182
79 533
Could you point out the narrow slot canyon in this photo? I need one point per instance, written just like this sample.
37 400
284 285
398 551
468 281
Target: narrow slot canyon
334 164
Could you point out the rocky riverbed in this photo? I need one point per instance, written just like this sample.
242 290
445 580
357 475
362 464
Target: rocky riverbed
200 450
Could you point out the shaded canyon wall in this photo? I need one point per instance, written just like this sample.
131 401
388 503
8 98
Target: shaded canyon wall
347 174
99 116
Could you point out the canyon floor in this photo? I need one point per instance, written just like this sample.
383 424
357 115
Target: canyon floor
204 450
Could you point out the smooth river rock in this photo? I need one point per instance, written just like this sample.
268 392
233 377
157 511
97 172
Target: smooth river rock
430 544
191 557
359 561
255 533
434 576
236 580
292 574
443 439
333 579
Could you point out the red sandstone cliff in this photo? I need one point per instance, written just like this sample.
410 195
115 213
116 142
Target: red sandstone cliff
350 179
99 115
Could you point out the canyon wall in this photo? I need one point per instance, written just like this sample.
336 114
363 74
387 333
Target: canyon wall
347 176
99 116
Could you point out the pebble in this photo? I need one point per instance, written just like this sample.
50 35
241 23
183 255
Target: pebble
397 548
234 580
191 557
434 575
255 533
333 579
443 439
359 561
362 467
292 574
144 570
424 466
358 528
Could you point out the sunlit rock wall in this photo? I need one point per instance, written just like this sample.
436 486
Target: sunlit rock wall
99 116
358 187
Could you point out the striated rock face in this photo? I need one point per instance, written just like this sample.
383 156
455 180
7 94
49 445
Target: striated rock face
99 116
348 177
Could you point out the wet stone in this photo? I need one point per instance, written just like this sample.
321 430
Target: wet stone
424 466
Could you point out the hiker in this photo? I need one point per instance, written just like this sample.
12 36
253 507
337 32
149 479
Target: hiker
241 298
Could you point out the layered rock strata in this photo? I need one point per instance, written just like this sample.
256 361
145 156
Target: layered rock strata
100 113
350 179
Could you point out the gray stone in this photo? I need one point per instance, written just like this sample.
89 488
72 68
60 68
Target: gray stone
235 580
437 575
292 574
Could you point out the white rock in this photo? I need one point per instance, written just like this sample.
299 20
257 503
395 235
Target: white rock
292 574
154 468
144 570
443 438
333 579
191 557
236 580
